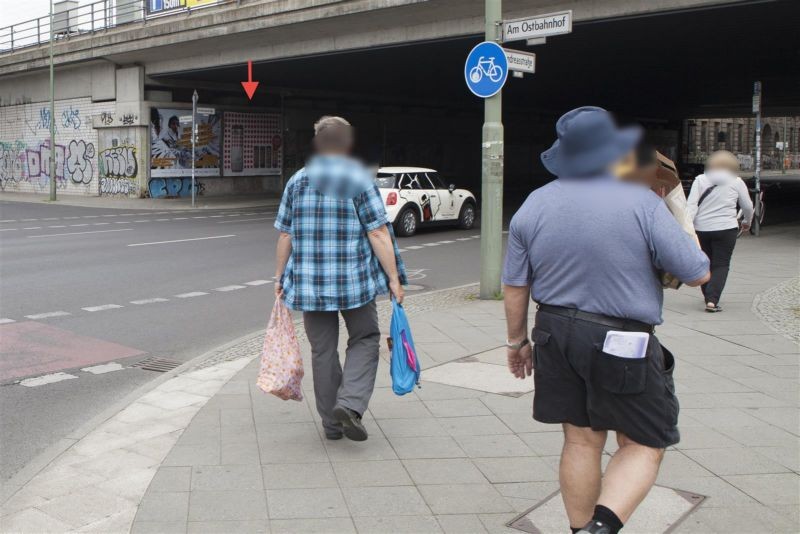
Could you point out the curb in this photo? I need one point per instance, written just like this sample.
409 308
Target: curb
43 459
46 457
140 204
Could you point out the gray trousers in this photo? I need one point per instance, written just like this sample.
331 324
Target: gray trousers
353 387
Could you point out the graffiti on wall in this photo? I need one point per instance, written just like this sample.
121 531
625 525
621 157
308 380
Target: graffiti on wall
173 187
118 170
20 163
71 118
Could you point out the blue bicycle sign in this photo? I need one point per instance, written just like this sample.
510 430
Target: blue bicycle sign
486 69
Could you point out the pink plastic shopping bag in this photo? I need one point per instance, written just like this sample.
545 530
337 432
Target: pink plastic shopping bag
281 364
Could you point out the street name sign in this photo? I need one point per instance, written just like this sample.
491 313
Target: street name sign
185 118
537 26
205 111
521 61
486 69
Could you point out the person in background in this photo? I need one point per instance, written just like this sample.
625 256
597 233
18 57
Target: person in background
336 252
712 205
587 248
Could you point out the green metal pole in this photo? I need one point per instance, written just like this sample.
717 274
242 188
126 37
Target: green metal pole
492 175
52 114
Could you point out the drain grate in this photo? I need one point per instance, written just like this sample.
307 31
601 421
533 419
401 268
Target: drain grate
159 365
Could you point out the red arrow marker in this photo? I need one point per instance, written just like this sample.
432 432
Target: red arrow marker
250 86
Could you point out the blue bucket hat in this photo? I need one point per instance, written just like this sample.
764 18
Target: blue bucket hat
589 140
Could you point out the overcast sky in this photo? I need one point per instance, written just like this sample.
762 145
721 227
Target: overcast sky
14 11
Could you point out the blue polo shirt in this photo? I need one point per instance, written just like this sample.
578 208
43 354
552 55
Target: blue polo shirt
597 244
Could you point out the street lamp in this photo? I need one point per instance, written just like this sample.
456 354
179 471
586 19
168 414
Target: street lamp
52 114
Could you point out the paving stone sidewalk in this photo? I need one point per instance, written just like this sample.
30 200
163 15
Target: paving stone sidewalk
462 454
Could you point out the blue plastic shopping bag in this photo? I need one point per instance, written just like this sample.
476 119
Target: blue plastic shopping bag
405 367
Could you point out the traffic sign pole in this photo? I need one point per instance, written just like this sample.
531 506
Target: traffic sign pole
194 139
492 175
757 195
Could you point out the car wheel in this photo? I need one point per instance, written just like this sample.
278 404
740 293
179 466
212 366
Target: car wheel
407 223
466 219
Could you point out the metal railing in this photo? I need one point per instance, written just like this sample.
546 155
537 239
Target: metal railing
89 18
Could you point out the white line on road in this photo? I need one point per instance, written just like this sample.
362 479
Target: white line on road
229 288
476 236
32 228
103 307
89 216
8 229
81 224
7 321
45 379
258 282
68 218
57 226
181 240
122 222
414 247
431 244
50 219
464 239
79 233
179 218
47 315
401 250
141 221
103 369
190 295
149 301
159 220
246 220
8 220
446 242
100 224
215 216
200 217
28 220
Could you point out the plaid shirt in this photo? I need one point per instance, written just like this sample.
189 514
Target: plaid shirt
332 266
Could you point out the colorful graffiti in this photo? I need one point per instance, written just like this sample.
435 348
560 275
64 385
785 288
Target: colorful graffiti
117 186
20 163
71 118
173 187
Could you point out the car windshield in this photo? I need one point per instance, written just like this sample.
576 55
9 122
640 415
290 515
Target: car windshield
385 180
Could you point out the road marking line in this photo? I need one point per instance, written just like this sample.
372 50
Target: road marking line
179 218
142 220
126 214
446 242
79 233
464 239
159 220
430 244
8 229
110 215
181 240
401 250
103 307
100 224
190 295
229 288
103 369
122 222
89 216
81 224
149 301
57 226
215 216
68 218
414 247
200 217
47 315
46 379
27 220
246 220
7 321
50 219
258 282
8 220
233 215
32 228
476 236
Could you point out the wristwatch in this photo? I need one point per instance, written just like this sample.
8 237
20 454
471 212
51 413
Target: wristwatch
517 346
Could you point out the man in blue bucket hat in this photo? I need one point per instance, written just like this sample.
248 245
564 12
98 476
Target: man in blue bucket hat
588 248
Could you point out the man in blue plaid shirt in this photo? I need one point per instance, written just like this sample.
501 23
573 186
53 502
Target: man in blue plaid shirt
335 254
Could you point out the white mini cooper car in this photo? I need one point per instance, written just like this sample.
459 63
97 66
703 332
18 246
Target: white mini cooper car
416 196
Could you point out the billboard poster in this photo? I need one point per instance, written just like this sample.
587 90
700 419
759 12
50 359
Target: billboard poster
252 144
171 143
158 7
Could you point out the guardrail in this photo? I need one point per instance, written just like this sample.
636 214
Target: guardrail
71 21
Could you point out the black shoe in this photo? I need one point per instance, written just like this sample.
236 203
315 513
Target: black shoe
595 527
351 421
713 308
334 435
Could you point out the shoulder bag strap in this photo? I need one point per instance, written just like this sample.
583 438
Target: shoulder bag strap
704 195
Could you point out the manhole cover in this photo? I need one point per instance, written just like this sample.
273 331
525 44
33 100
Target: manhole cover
159 365
662 511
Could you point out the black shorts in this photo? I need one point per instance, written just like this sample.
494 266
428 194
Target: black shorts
577 383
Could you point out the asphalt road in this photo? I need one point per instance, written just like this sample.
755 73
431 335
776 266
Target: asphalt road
102 289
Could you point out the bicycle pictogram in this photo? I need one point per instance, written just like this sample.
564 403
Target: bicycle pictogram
486 67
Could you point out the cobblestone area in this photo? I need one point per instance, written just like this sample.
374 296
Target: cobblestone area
779 308
414 304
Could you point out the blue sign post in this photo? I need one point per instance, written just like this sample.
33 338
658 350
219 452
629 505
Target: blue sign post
486 69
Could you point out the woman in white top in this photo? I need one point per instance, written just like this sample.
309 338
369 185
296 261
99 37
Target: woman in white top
712 205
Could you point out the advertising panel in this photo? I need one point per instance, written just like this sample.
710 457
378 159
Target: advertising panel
171 143
252 144
158 7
